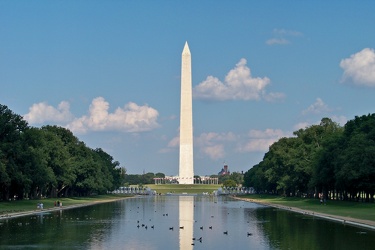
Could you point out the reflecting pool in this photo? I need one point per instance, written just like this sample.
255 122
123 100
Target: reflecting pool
179 222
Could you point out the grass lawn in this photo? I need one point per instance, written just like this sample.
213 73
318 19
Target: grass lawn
183 188
29 205
359 210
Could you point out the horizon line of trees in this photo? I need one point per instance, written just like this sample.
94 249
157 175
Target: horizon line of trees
336 162
50 161
231 180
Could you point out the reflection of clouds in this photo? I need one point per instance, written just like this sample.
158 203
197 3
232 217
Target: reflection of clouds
186 220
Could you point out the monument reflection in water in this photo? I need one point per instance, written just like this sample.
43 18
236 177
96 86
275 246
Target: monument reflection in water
186 221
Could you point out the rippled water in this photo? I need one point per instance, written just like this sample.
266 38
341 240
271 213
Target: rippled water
179 222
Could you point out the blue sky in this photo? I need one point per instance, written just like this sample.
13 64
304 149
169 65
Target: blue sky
110 72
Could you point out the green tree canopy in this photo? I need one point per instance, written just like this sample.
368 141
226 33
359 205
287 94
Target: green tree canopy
338 161
50 161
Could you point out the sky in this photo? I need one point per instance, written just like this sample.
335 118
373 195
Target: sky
109 71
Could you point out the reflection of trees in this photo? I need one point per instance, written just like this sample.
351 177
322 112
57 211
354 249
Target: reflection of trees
65 228
286 230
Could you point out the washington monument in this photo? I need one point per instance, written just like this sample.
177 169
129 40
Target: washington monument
186 175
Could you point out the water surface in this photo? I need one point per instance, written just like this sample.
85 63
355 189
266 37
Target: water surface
179 222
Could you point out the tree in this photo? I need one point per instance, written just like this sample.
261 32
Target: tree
147 178
355 169
119 180
40 174
12 126
237 178
59 146
86 171
223 178
289 165
256 178
133 179
282 164
160 175
326 160
229 183
110 173
51 161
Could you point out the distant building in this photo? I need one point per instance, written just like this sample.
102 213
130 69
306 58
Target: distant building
224 171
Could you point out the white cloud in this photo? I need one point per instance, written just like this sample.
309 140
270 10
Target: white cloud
212 144
301 125
286 32
175 142
281 41
317 107
210 137
238 85
274 96
257 145
172 144
215 151
40 113
131 118
260 140
360 67
342 120
280 36
216 145
268 133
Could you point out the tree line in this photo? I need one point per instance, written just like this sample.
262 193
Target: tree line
141 179
50 161
336 162
233 180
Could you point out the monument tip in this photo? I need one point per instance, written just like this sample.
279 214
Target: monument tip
186 49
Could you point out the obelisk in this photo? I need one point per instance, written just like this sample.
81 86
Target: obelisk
186 174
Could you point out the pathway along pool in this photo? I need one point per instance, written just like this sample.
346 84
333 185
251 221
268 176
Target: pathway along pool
179 222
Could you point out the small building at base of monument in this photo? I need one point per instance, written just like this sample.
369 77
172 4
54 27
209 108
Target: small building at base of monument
177 180
186 180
